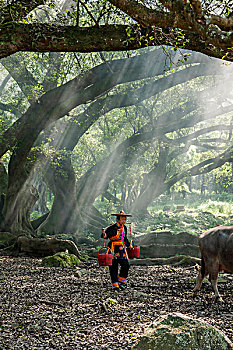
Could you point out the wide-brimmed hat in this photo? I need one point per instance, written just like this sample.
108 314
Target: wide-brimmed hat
121 213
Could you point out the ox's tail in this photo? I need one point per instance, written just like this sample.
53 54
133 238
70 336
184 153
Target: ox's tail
202 267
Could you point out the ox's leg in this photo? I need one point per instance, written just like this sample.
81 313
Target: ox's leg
198 282
213 279
213 267
203 272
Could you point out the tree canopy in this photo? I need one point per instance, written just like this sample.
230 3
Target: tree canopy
120 129
116 25
119 126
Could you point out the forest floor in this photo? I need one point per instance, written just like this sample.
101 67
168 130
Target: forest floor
50 308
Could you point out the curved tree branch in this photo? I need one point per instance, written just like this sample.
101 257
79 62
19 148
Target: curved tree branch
16 37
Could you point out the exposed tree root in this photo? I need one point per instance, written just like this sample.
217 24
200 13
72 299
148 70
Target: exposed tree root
180 260
44 247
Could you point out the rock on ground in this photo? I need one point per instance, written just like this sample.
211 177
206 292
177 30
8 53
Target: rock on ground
178 332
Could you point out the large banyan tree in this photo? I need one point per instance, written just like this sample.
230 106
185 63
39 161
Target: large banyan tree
71 107
73 204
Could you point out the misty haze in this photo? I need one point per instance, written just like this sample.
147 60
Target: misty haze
116 156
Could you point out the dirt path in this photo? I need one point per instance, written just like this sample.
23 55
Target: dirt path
49 308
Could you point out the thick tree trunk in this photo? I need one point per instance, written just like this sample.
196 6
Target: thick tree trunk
92 220
17 211
123 194
132 195
21 195
64 215
3 179
154 189
41 204
153 184
3 189
68 215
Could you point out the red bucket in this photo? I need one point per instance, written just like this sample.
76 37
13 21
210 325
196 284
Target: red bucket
105 259
133 251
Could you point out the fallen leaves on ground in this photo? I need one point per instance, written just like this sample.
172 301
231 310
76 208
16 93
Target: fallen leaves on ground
50 308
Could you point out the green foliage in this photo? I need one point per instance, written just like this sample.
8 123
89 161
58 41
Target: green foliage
223 176
35 215
217 207
180 186
199 215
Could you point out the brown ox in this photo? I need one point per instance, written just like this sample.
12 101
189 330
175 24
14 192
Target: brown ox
216 247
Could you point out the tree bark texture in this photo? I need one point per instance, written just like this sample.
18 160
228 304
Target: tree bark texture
3 179
45 247
153 184
64 215
38 37
17 211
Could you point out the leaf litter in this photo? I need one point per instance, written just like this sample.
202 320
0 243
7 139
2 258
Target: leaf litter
50 308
